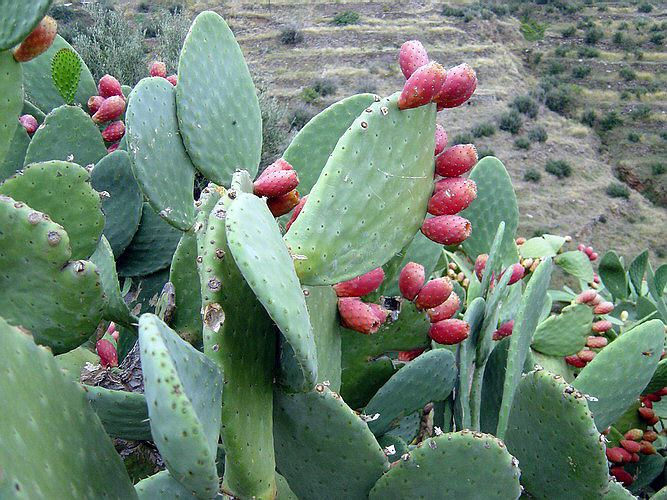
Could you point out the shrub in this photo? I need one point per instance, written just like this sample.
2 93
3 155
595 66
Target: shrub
172 28
532 175
299 115
526 105
634 137
449 11
484 130
580 72
627 74
559 99
510 122
291 36
538 134
610 121
645 8
593 35
641 112
274 127
309 95
532 30
618 190
522 143
482 153
589 52
325 87
464 138
658 168
561 51
558 168
657 38
569 31
589 117
345 18
555 68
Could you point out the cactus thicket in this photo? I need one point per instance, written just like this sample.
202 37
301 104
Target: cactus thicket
387 336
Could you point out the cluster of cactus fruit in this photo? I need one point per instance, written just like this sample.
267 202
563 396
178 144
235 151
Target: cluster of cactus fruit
356 321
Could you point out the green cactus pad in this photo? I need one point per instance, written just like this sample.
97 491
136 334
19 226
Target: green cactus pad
552 434
63 191
123 414
149 287
152 247
13 160
322 446
218 109
645 471
31 109
564 334
183 392
160 164
613 275
59 301
495 203
122 208
620 371
163 486
659 378
400 447
577 264
546 245
72 362
284 492
80 461
474 316
244 346
637 270
39 84
116 308
430 377
19 19
311 147
618 492
525 324
66 72
364 368
67 134
385 162
187 320
261 256
458 465
11 104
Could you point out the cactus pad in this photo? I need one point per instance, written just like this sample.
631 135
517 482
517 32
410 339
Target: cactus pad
261 256
183 392
384 161
187 320
551 432
34 256
160 164
430 377
19 19
613 275
13 160
63 191
577 264
565 333
66 72
123 414
620 372
458 465
311 147
218 109
122 208
11 89
80 461
163 486
659 378
323 446
67 134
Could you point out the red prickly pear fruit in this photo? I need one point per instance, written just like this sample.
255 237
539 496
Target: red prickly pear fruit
588 251
459 85
110 109
297 211
601 326
449 331
593 257
281 205
596 342
94 103
635 458
452 194
107 353
109 86
596 278
596 301
456 160
649 436
647 403
158 68
361 285
662 392
434 293
29 123
646 447
440 139
652 397
113 147
447 229
517 273
480 264
173 79
276 166
631 446
646 413
111 328
586 297
615 455
504 330
38 41
603 308
409 355
635 435
627 456
581 247
575 361
411 280
585 355
114 131
411 57
622 476
276 183
357 315
380 312
520 240
446 310
422 86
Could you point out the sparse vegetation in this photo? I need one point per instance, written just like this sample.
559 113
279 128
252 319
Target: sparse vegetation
618 190
526 105
559 99
569 31
464 138
645 8
345 18
538 134
658 168
634 137
593 35
510 122
627 74
532 175
484 130
610 121
532 30
299 115
558 168
522 143
291 36
580 72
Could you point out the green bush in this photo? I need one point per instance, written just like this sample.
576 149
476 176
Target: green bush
532 175
484 152
484 130
522 143
559 99
657 38
555 68
569 31
325 86
309 95
526 105
172 28
450 11
558 168
532 30
510 122
627 74
618 190
291 36
538 134
645 8
345 18
299 115
593 35
580 72
634 137
561 51
589 117
464 138
274 127
658 168
589 52
610 121
641 112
